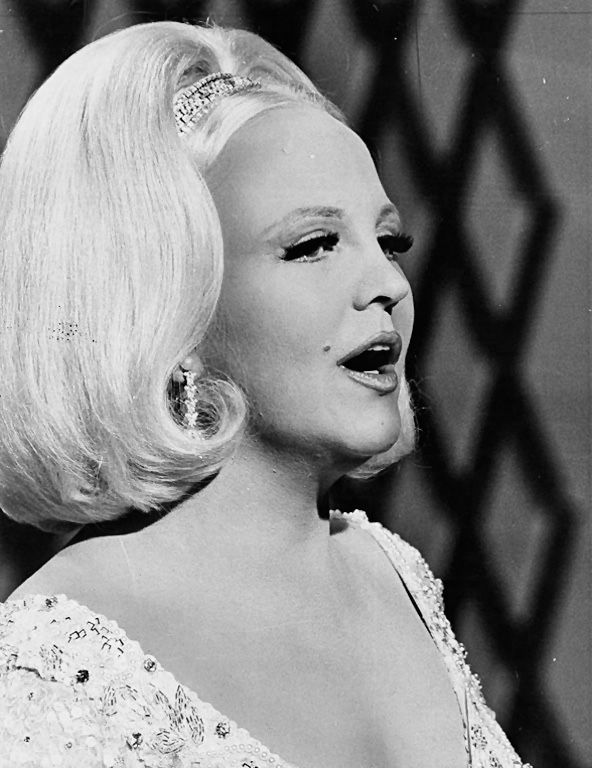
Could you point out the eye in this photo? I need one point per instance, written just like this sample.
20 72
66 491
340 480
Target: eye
393 245
311 247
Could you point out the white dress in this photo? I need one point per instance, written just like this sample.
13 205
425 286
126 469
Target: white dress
76 692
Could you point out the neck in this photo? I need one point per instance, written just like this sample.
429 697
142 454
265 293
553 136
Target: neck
261 511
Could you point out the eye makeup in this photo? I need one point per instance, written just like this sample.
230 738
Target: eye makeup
395 244
311 247
325 237
314 246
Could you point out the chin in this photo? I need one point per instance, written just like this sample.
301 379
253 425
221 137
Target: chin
401 446
366 434
378 440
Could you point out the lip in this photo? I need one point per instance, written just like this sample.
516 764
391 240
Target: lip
389 338
384 383
386 380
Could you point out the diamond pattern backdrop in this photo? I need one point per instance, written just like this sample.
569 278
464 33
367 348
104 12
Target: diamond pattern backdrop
368 57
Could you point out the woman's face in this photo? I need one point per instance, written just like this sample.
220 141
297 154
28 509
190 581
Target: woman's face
311 282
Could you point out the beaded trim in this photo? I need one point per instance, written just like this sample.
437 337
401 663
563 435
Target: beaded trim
485 742
117 700
195 101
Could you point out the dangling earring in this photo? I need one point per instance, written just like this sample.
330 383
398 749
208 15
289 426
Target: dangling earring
189 400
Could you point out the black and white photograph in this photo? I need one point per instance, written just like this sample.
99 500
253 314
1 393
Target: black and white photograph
296 384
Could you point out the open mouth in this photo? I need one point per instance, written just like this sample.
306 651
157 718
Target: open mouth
373 363
374 360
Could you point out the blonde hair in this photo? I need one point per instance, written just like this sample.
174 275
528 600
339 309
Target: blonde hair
110 267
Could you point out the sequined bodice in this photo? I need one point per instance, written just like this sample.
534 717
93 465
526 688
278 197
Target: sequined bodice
76 691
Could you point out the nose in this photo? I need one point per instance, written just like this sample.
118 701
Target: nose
382 282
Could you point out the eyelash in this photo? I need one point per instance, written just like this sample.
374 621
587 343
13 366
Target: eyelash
395 245
307 249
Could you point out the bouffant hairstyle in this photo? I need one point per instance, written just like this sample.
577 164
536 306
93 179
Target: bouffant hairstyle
111 265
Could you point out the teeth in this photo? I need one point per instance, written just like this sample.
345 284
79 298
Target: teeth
379 348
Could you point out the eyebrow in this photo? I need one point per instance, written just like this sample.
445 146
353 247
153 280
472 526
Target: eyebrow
388 211
312 212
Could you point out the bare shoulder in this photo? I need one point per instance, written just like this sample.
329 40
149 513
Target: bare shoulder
93 572
123 578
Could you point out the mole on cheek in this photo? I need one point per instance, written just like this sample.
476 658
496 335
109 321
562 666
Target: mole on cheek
326 348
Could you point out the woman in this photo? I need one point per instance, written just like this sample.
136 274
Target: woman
142 377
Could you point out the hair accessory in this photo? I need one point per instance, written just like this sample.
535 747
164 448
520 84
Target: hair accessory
190 401
195 101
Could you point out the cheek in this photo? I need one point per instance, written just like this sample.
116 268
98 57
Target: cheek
263 327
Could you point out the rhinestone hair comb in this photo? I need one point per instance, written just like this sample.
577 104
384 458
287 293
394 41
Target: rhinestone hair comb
195 101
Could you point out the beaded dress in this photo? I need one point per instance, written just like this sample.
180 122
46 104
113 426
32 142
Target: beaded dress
76 692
